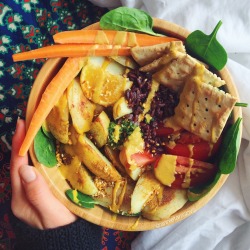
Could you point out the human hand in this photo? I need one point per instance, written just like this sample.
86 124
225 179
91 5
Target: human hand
32 201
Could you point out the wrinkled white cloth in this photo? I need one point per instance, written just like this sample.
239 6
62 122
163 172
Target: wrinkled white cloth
224 223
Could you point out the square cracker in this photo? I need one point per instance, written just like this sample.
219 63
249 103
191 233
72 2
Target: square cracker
203 109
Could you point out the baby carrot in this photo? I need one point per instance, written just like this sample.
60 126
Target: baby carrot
50 97
113 37
72 50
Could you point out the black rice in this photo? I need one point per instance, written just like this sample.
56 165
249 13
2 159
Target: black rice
162 106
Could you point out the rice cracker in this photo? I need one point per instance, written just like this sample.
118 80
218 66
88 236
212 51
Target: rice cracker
203 109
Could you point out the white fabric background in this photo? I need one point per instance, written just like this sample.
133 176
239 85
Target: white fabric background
224 223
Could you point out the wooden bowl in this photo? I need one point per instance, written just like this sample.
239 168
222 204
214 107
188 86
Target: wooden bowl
99 215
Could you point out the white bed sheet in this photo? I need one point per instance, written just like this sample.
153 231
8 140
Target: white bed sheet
224 223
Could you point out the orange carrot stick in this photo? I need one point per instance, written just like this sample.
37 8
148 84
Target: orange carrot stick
50 97
72 50
122 38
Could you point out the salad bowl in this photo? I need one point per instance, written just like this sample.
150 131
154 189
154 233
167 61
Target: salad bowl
99 215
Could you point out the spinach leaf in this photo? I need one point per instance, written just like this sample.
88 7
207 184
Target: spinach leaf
45 149
196 193
46 131
128 19
229 148
80 199
207 48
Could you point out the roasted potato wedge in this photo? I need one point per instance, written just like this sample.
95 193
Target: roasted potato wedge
77 175
94 160
99 129
58 120
113 156
145 189
121 108
80 108
125 61
165 203
117 197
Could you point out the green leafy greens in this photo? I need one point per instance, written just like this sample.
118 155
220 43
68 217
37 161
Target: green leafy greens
197 193
80 199
128 19
207 48
45 149
230 148
227 160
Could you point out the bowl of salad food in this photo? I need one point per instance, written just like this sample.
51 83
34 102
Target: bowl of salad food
132 131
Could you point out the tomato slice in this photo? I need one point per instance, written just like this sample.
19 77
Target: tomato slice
142 159
190 145
200 151
189 138
165 131
192 173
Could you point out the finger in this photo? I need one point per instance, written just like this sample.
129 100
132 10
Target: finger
52 212
17 161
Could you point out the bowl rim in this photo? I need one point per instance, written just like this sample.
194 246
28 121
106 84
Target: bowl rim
99 215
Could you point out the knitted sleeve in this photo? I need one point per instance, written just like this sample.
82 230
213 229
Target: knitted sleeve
80 234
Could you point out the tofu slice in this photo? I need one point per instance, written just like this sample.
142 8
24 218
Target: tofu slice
161 62
147 54
174 73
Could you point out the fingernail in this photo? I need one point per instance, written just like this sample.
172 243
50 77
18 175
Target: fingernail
27 173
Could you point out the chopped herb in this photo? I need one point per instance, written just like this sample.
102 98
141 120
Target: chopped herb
119 132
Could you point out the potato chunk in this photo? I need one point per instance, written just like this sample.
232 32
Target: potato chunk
80 108
58 120
78 176
165 203
99 129
94 160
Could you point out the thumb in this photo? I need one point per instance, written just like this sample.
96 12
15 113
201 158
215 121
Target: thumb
51 211
36 189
